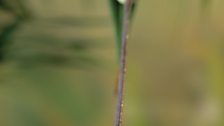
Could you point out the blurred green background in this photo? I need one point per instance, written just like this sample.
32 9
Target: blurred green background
58 63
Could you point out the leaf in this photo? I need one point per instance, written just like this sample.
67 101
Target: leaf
117 13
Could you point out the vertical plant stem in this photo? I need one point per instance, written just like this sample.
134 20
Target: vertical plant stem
122 72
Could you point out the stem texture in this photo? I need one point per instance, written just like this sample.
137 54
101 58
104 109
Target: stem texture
123 55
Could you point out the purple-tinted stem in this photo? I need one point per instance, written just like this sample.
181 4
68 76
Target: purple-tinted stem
125 28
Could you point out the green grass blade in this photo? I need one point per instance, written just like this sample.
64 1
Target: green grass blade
117 14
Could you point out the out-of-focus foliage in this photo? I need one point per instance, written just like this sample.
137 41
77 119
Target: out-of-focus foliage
12 13
51 65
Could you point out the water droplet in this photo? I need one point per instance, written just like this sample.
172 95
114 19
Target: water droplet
121 1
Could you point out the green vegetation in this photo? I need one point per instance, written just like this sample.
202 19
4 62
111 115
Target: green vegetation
58 63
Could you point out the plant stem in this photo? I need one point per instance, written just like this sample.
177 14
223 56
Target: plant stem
122 72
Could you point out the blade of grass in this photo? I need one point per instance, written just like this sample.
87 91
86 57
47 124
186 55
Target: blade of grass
116 9
117 14
121 80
